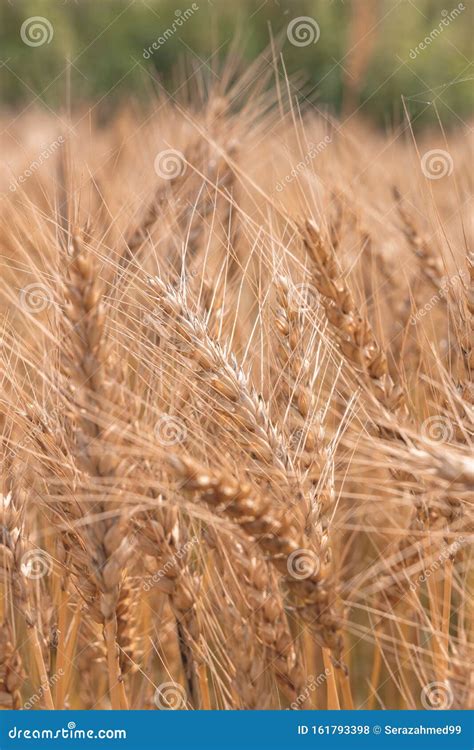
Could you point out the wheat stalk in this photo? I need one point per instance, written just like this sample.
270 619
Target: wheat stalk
314 596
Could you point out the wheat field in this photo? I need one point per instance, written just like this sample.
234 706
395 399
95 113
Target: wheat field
236 409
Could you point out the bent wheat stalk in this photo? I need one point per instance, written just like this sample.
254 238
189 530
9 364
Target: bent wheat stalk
313 596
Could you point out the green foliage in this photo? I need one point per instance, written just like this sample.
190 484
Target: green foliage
104 42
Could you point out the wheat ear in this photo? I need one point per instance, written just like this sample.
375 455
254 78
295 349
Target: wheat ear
11 667
254 601
13 549
356 339
314 595
11 670
87 364
242 407
160 536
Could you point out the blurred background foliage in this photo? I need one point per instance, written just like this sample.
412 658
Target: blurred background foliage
360 62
